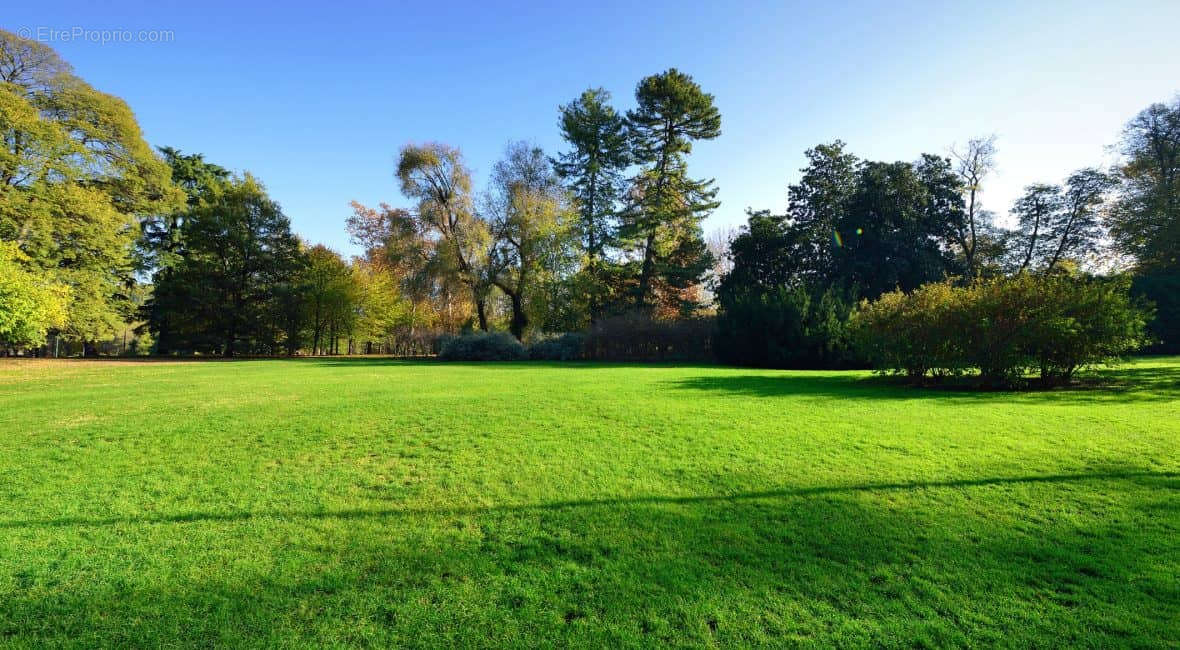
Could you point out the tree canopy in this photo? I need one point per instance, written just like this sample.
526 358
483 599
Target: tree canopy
594 167
605 237
1145 224
238 248
75 177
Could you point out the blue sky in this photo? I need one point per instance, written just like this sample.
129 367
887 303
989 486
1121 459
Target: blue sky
317 98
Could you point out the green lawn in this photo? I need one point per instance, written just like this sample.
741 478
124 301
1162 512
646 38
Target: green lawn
375 502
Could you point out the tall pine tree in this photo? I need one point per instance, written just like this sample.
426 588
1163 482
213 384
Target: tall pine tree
593 170
662 224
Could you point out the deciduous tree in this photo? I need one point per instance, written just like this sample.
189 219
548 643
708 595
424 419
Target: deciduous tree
329 296
435 177
75 174
397 246
1145 224
974 164
30 305
1075 231
531 222
1030 244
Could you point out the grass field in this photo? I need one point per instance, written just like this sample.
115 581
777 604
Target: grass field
376 502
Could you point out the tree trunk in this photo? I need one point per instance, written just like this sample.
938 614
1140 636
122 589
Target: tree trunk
481 311
520 320
592 250
648 269
1061 244
1032 242
969 252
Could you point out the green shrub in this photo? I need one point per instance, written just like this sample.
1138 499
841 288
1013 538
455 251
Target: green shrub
481 346
1003 328
911 334
783 327
1086 322
567 347
999 319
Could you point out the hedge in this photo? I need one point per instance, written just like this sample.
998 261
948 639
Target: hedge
1002 328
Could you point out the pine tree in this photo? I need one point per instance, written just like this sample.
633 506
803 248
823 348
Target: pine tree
593 171
662 224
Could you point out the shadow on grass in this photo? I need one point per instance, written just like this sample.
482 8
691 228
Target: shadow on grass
1119 385
1163 479
1163 380
844 568
505 365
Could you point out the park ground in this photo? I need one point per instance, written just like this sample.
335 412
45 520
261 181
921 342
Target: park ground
352 502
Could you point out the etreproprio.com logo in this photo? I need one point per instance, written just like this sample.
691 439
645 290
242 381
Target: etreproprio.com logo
77 33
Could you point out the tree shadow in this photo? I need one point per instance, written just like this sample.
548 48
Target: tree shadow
840 565
500 365
1163 479
1118 385
1164 380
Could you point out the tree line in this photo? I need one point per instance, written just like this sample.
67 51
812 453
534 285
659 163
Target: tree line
104 231
857 229
101 234
556 244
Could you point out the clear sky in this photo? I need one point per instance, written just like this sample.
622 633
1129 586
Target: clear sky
316 98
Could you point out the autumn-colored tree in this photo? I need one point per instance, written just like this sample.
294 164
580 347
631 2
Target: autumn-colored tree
30 305
395 243
380 306
435 177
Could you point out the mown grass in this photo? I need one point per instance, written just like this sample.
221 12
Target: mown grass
374 502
